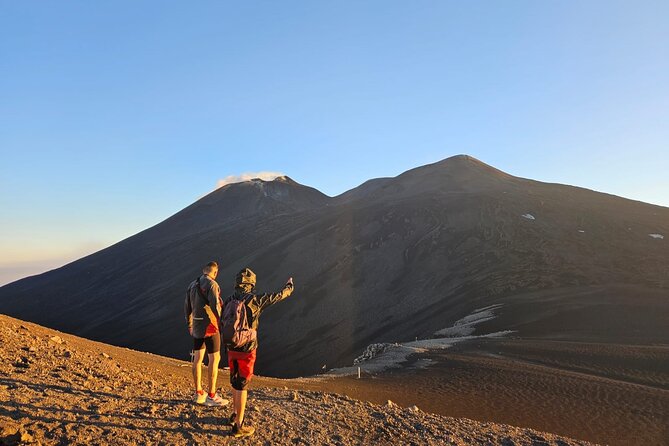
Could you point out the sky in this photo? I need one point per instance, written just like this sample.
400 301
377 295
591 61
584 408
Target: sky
116 115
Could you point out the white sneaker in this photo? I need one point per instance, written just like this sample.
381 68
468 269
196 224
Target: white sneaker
216 401
200 399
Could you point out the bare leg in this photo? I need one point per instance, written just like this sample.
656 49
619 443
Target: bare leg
214 359
198 356
239 398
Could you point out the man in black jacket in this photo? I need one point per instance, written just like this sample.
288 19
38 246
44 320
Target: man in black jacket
242 359
202 309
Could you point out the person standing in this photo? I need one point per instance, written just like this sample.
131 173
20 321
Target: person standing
202 309
241 312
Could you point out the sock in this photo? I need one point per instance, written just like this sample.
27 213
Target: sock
211 395
200 392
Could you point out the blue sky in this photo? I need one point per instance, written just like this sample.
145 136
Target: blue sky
115 115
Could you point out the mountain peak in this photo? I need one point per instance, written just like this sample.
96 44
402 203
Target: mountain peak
464 161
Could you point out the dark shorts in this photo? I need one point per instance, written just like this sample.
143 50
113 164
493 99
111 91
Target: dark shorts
213 343
241 368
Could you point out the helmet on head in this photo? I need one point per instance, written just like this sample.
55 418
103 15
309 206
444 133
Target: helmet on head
245 277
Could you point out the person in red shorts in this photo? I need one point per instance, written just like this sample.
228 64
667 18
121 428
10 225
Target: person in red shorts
242 359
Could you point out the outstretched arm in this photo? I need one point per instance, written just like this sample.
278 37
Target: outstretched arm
265 300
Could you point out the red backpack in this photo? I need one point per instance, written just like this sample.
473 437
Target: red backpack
235 328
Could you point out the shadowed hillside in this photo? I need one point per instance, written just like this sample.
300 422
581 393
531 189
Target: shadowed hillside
392 260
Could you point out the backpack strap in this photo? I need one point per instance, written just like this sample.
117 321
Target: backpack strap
245 297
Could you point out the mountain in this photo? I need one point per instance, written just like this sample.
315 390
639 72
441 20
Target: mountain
392 260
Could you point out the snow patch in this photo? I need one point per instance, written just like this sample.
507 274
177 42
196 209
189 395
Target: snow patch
657 236
467 325
528 216
384 356
393 356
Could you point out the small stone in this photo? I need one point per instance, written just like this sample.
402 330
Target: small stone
295 396
56 339
107 389
414 408
32 349
22 362
68 354
255 409
391 404
105 355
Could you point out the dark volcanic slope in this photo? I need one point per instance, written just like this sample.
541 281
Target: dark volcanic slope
393 259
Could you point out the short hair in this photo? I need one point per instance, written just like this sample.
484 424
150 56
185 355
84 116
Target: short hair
210 267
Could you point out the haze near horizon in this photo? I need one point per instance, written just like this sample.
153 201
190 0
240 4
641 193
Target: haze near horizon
116 116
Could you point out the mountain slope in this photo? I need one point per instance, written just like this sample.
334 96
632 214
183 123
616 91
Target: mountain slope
392 260
59 389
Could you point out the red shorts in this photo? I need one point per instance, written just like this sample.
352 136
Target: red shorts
241 368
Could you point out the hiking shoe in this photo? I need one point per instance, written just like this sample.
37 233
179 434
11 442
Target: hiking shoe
216 401
200 399
244 431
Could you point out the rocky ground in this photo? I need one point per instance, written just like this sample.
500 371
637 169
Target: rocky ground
57 389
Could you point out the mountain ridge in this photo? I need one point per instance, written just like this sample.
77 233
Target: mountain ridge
437 237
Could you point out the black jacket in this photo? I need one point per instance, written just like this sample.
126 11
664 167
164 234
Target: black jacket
255 305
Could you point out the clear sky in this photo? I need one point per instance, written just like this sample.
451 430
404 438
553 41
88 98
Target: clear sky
115 115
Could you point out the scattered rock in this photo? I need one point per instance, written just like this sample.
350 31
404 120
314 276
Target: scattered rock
56 339
22 362
115 406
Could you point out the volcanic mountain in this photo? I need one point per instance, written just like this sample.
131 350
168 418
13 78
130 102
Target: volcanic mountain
392 260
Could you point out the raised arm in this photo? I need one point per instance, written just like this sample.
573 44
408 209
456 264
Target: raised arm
265 300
